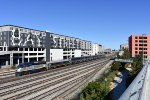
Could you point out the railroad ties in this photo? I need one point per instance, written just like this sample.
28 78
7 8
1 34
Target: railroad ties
51 84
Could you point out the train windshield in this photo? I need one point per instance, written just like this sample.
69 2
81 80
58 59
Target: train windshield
20 66
39 63
29 64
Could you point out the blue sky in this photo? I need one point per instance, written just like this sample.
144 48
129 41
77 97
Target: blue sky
108 22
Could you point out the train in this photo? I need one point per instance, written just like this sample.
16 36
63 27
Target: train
33 67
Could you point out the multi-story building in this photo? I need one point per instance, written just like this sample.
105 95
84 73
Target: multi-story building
20 44
65 47
97 49
139 44
124 46
107 51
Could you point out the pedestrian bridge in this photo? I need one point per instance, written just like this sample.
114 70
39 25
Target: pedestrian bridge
124 60
139 89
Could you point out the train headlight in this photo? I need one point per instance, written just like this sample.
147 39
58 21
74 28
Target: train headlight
19 69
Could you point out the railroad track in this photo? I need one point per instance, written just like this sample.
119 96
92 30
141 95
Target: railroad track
45 85
16 83
55 93
65 95
45 81
13 78
6 74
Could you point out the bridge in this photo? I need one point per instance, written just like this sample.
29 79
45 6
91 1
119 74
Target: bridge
124 60
139 89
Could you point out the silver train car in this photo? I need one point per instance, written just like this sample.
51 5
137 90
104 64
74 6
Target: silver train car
33 67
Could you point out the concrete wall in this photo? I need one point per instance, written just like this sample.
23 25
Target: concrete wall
56 54
77 53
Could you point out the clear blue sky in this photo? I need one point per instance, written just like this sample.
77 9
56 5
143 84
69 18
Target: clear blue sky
108 22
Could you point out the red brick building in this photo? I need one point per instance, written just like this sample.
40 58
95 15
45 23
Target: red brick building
139 44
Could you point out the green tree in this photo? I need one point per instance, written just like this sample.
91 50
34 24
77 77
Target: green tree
136 67
94 91
116 66
137 64
126 54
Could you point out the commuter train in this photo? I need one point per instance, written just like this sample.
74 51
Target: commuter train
32 67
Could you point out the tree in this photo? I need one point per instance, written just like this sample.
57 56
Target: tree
137 63
136 67
126 54
116 66
94 91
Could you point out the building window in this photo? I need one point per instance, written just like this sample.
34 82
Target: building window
31 49
136 48
136 44
21 30
142 44
141 41
136 40
20 49
145 48
136 52
145 52
136 37
145 56
140 52
39 49
26 49
11 28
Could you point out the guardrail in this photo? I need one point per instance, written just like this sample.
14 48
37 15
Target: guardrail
146 86
136 89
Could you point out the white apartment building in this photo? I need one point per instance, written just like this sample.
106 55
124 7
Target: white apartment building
97 49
